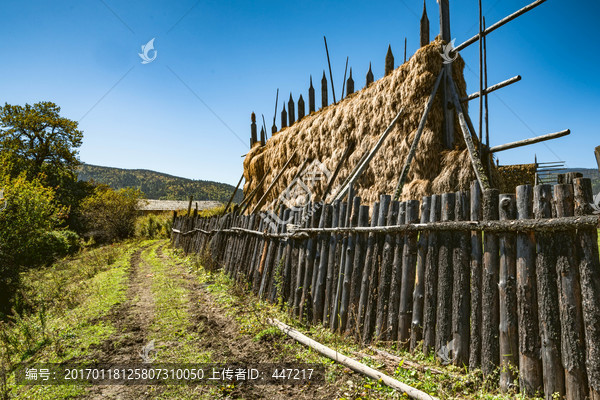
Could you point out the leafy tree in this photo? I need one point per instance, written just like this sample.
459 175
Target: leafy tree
36 139
29 216
109 214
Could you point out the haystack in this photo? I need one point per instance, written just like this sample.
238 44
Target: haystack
363 117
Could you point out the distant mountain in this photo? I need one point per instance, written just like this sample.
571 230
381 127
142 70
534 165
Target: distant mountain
591 173
159 186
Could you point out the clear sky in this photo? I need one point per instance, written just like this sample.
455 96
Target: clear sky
187 113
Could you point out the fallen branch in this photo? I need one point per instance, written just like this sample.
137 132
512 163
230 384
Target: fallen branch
351 363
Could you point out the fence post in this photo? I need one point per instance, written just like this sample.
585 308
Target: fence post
385 274
509 334
336 288
371 306
416 334
530 364
589 268
349 266
490 350
357 273
443 332
306 300
407 282
395 288
461 296
333 241
365 282
569 295
554 374
431 276
319 291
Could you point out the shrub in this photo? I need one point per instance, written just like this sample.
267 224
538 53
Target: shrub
109 215
154 226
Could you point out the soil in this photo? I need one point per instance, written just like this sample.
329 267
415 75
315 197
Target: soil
218 332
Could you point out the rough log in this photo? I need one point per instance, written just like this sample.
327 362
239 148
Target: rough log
350 363
527 142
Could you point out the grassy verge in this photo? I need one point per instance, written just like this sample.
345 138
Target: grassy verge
59 314
448 382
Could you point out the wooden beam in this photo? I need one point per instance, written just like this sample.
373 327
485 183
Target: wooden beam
345 155
232 195
527 142
330 74
597 152
351 363
493 88
361 167
475 161
264 196
415 143
499 24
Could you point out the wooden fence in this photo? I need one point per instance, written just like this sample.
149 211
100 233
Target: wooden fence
508 283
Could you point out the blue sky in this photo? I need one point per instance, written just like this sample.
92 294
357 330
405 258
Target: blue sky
188 112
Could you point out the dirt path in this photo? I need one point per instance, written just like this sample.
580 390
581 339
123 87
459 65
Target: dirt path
214 331
131 320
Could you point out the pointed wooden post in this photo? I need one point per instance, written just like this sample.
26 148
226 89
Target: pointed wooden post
424 27
597 153
283 117
389 61
369 76
405 49
449 115
253 136
324 100
262 137
301 109
291 112
350 84
311 97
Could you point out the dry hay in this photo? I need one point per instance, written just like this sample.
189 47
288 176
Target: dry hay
363 117
512 176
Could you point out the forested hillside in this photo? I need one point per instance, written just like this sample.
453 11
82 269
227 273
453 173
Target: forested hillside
156 185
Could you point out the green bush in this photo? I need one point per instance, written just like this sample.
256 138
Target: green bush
109 215
58 244
154 226
28 212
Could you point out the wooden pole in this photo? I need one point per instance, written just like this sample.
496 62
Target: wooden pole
547 291
357 273
385 275
350 363
407 280
358 170
330 74
499 24
475 161
569 296
365 282
476 277
443 332
527 142
416 332
232 195
597 153
189 210
319 289
415 143
530 363
349 148
480 80
493 88
490 351
264 196
344 81
395 289
589 268
431 277
461 296
509 336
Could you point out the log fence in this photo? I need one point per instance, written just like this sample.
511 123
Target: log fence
508 283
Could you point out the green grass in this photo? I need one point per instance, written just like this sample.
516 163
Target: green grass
251 314
58 314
